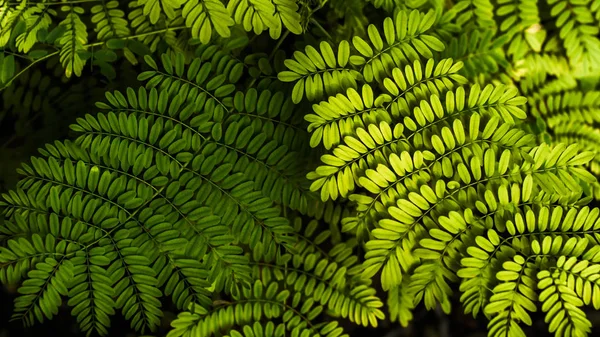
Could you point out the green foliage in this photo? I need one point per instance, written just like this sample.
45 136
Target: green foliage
272 184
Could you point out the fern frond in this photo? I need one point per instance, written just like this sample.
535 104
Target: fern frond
204 16
110 20
370 139
520 20
535 241
478 52
341 115
562 311
73 41
260 15
42 290
474 15
141 25
92 298
578 31
154 8
270 147
407 38
9 18
400 303
264 144
319 74
267 300
329 278
37 18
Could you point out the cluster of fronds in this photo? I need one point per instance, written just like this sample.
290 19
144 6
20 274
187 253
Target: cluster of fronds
448 149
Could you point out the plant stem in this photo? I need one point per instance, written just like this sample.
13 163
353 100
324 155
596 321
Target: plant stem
279 42
314 22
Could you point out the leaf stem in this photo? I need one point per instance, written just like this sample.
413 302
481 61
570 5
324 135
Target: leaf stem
316 23
279 42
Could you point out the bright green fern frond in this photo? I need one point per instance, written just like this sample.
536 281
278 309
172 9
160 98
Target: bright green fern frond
141 25
562 311
340 116
110 20
42 290
73 41
260 15
414 213
154 8
38 17
336 117
320 74
9 18
400 303
257 329
407 38
578 32
353 157
204 16
541 238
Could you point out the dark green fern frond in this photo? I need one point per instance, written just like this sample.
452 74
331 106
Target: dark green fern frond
256 127
474 15
478 52
268 300
329 278
271 145
153 184
296 288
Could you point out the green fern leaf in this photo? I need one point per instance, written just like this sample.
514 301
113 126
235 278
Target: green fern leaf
73 41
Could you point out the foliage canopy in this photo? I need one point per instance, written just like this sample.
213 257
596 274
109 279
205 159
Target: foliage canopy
273 167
